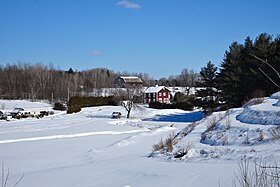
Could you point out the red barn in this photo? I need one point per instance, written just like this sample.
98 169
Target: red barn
157 93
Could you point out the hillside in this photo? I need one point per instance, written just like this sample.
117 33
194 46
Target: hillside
91 149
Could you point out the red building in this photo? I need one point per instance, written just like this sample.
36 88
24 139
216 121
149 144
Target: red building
158 93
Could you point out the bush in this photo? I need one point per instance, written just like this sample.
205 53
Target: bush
159 146
258 175
73 109
91 101
59 106
166 145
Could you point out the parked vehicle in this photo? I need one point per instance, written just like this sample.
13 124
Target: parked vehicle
116 115
45 113
1 115
7 116
16 113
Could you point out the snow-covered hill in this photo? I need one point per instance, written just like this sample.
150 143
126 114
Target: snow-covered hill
90 149
249 132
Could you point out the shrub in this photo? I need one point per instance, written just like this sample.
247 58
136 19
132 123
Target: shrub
159 146
59 106
91 101
169 143
5 177
73 109
166 145
261 175
213 122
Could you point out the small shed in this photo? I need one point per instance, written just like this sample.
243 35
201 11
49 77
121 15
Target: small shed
127 82
158 93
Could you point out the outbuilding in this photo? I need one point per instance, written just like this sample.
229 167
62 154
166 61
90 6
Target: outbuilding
127 82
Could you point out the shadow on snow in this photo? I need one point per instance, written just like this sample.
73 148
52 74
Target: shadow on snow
187 117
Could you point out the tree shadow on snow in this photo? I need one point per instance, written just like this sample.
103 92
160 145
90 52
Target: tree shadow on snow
99 116
187 117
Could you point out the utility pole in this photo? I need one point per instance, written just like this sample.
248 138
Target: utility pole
68 95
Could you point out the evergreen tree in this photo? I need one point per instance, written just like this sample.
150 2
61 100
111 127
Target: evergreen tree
229 77
242 70
70 71
264 48
207 84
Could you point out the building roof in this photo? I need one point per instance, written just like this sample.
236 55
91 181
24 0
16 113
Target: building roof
155 89
130 80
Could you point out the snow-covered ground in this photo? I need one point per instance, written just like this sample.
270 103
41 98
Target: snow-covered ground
90 149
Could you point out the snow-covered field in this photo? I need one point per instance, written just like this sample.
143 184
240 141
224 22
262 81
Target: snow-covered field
90 149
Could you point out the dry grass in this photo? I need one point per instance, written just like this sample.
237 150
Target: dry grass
5 177
227 122
247 139
166 145
261 136
254 101
158 146
169 143
213 122
275 133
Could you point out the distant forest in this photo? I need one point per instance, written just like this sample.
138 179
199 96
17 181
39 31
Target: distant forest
247 70
29 81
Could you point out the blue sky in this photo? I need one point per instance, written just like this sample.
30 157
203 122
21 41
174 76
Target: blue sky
159 37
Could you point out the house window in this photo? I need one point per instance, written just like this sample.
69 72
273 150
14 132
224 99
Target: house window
159 94
164 94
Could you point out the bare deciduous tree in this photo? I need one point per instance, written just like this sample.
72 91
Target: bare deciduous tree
271 67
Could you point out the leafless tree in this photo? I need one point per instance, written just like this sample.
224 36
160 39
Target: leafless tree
272 68
188 77
260 175
128 107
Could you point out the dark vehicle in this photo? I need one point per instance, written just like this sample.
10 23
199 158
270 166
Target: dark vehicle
16 113
45 113
2 115
116 115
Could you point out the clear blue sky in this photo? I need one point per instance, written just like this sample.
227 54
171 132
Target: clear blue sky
159 37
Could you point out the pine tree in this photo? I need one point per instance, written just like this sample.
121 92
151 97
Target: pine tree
229 77
207 84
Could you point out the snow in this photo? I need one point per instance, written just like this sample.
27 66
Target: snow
12 104
90 149
155 89
266 113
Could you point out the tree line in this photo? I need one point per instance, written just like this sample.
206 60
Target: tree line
248 70
39 81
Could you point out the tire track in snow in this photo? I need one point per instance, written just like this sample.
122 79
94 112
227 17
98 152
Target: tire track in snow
73 136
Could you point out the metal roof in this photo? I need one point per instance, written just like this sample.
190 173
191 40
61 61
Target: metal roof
131 79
